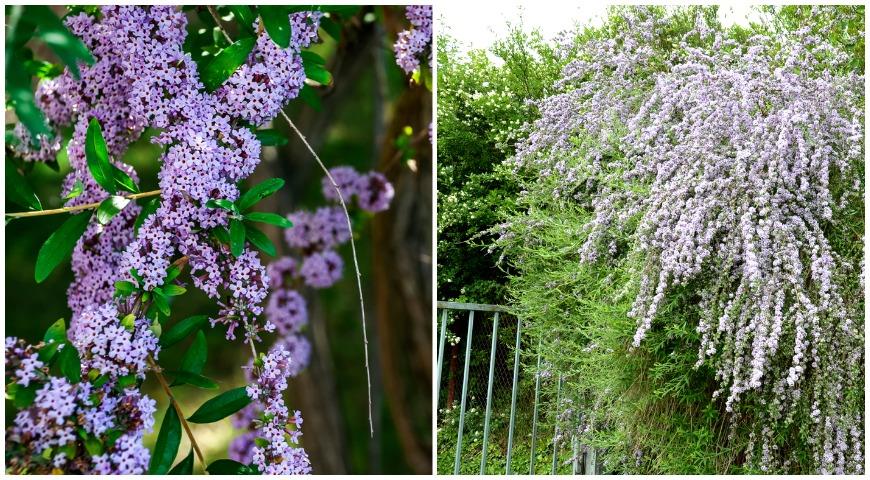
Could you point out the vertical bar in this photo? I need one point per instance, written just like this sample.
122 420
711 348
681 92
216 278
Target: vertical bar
514 399
441 338
464 392
489 395
535 414
590 461
575 451
556 431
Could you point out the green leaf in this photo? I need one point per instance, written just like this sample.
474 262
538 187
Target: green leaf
167 443
124 288
195 356
111 207
184 467
56 332
78 189
93 446
60 245
270 137
173 290
225 466
221 234
259 192
237 237
123 180
18 190
221 406
20 96
150 207
194 379
24 396
222 66
127 380
244 16
309 95
270 218
276 19
317 73
47 352
161 302
310 57
51 30
259 240
70 363
98 157
172 273
182 329
331 27
221 203
42 70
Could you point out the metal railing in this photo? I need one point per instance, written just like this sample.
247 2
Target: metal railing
580 463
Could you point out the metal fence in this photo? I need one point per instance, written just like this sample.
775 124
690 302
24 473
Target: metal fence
527 423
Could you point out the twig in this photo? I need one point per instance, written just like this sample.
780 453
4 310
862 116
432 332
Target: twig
355 261
217 20
160 378
86 206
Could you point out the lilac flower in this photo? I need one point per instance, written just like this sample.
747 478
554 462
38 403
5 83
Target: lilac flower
412 45
322 269
287 311
374 192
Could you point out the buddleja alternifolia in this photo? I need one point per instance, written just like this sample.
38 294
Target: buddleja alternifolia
129 69
729 166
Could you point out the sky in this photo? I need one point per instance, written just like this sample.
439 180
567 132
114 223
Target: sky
478 24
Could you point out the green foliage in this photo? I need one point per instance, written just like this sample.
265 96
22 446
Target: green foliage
60 245
481 106
184 467
167 444
220 67
18 189
221 406
226 466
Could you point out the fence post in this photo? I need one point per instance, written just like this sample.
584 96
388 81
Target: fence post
464 393
535 414
489 394
514 399
556 430
440 356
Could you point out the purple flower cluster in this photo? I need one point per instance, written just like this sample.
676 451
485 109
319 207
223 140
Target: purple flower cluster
62 412
269 419
730 162
142 78
416 43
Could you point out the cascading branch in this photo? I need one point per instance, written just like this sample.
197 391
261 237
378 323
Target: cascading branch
128 260
736 167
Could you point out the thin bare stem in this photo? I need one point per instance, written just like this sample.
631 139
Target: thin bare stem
217 20
162 380
355 261
86 206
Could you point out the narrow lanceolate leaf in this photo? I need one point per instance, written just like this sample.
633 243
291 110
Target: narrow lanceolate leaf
111 207
70 363
312 58
182 329
259 240
184 467
60 245
220 203
123 181
225 466
195 356
194 379
222 66
161 302
124 288
167 443
244 16
270 137
259 192
56 332
221 406
98 157
237 237
270 218
77 189
276 19
172 290
51 30
18 190
20 96
317 73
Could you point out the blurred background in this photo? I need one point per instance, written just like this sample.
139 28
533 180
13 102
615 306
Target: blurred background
372 117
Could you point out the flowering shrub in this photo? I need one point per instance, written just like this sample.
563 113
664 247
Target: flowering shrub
77 392
710 183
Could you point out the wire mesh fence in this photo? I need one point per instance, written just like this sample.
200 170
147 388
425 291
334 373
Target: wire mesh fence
498 414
